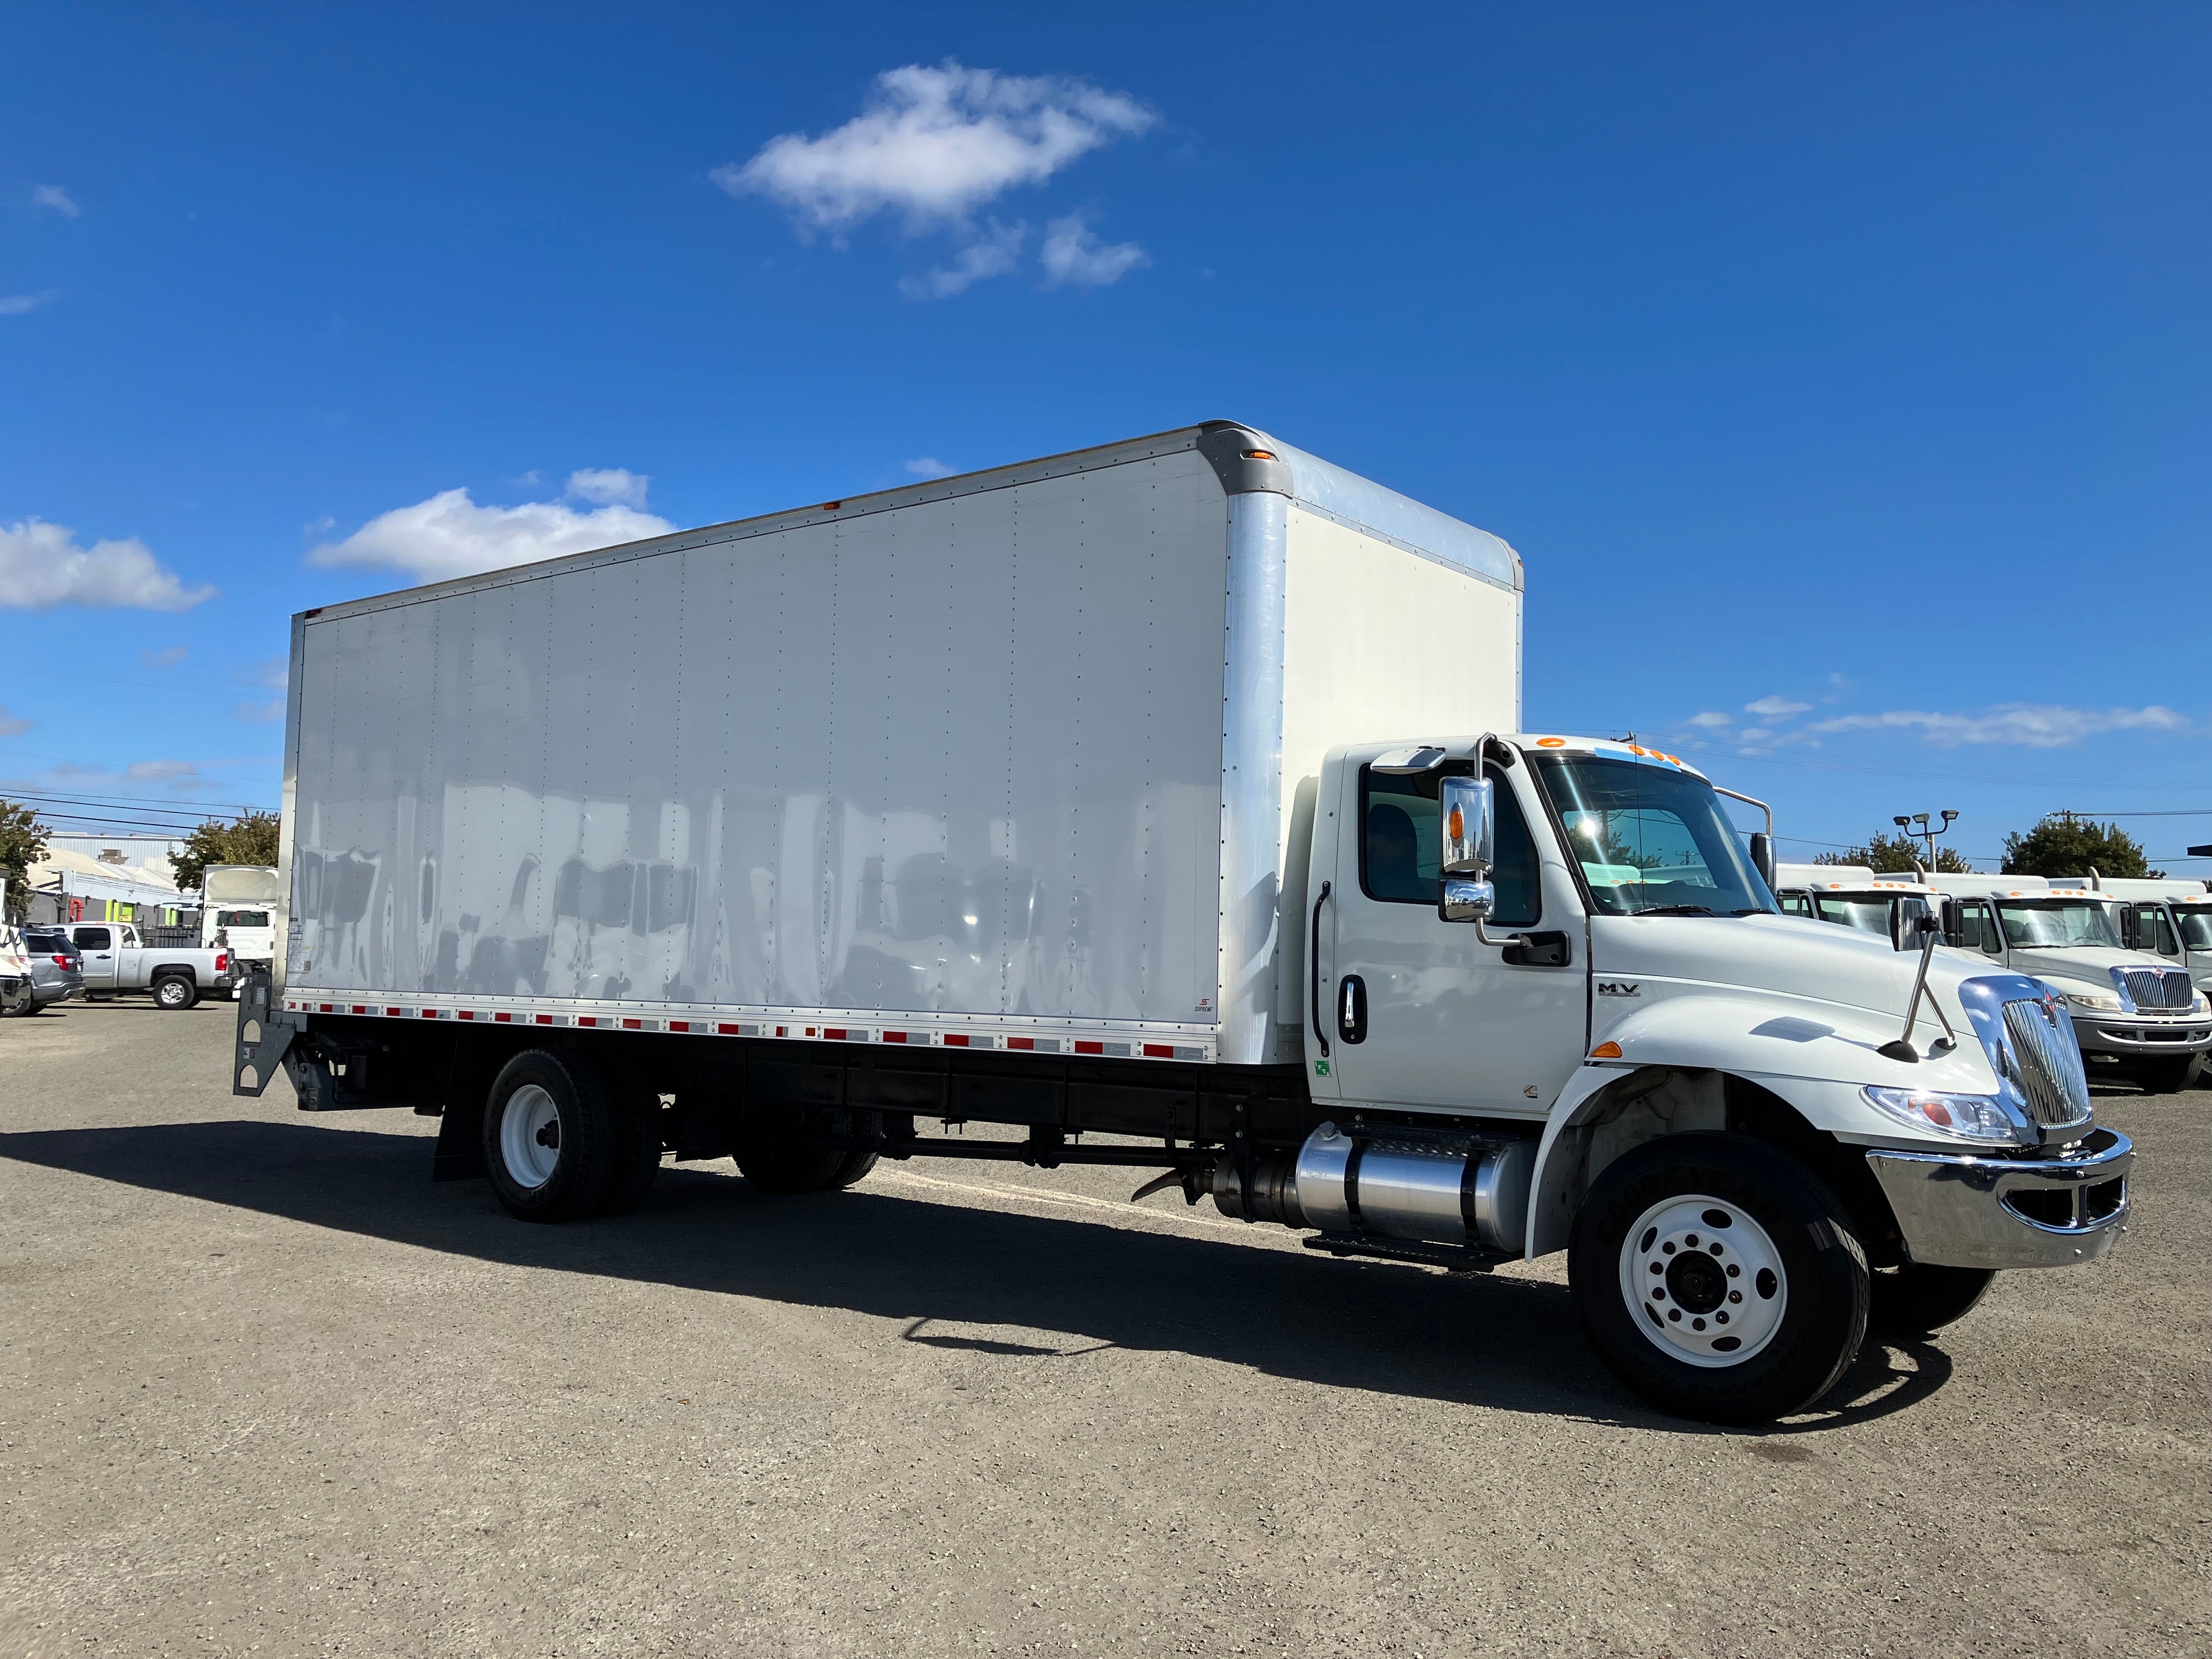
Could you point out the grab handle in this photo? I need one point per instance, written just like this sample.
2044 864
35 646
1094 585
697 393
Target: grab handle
1316 944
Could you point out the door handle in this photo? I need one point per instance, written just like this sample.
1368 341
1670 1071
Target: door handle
1313 942
1352 1008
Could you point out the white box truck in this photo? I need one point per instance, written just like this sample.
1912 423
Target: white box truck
1172 791
239 905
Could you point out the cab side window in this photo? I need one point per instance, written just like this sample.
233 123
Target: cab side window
1977 929
2154 932
94 938
1795 904
1400 858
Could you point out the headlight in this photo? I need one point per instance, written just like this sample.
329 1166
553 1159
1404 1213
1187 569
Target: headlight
2091 1000
1961 1117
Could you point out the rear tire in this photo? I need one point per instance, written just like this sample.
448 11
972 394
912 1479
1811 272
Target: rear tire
1727 1236
775 1163
20 1003
551 1137
175 993
1917 1298
854 1169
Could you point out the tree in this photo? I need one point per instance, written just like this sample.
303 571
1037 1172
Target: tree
249 840
1895 855
22 842
2063 845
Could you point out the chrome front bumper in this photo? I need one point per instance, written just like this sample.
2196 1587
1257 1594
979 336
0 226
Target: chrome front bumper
2109 1036
1961 1209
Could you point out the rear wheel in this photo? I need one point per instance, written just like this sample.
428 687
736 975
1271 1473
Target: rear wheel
551 1137
175 993
1718 1278
1917 1299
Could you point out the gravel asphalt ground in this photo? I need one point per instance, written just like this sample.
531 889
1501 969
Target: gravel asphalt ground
266 1389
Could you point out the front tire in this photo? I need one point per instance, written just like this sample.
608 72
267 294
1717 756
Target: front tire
1718 1278
551 1137
175 994
2163 1077
1917 1299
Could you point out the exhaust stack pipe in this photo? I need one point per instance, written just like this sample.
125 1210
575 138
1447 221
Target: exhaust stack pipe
1438 1189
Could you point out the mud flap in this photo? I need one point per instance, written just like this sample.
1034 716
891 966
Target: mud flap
475 1068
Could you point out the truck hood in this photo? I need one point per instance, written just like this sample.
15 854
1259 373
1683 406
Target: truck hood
2082 966
1781 995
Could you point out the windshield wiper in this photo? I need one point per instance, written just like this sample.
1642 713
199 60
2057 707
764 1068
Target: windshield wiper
1677 910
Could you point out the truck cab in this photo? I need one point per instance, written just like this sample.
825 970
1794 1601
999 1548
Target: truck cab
1572 933
1854 895
2134 1012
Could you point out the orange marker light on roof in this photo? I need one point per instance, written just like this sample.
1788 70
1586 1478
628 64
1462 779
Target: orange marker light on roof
1551 743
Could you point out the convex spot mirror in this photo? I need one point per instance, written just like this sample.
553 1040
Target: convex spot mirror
1467 811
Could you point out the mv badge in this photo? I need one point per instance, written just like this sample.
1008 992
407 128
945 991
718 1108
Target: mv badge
1618 987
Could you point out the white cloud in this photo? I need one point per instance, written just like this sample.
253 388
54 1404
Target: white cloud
1754 734
274 673
2036 725
1711 718
41 566
15 305
55 197
1773 707
1073 253
992 255
170 772
261 714
935 144
608 485
449 535
168 657
10 724
928 466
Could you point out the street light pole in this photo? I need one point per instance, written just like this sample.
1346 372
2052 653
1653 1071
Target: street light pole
1907 823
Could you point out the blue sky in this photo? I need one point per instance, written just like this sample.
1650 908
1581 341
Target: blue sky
1842 377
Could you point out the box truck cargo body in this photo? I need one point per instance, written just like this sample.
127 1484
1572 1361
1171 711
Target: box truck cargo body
1173 793
998 762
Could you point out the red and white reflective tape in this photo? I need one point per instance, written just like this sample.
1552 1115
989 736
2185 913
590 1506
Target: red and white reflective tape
1105 1045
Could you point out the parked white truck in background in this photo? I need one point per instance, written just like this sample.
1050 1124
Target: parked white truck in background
2132 1009
239 905
1854 895
117 960
1173 789
14 964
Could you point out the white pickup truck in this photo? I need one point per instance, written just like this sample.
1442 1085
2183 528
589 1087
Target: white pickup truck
116 959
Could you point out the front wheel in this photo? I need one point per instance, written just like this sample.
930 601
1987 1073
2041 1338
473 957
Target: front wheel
1718 1278
175 994
2163 1077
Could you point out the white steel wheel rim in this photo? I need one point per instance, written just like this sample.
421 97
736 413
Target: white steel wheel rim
530 1136
1702 1280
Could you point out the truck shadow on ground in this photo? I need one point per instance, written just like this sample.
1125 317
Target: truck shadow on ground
1506 1343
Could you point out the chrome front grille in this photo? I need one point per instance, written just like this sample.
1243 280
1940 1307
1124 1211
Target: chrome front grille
2050 1063
2159 990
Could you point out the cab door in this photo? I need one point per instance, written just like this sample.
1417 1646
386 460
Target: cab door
1419 1012
97 943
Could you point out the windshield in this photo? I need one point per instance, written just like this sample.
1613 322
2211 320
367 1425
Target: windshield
2058 923
1869 915
2196 925
1651 840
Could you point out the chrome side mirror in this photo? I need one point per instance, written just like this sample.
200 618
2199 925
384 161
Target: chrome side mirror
1915 921
1466 901
1468 810
1468 814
